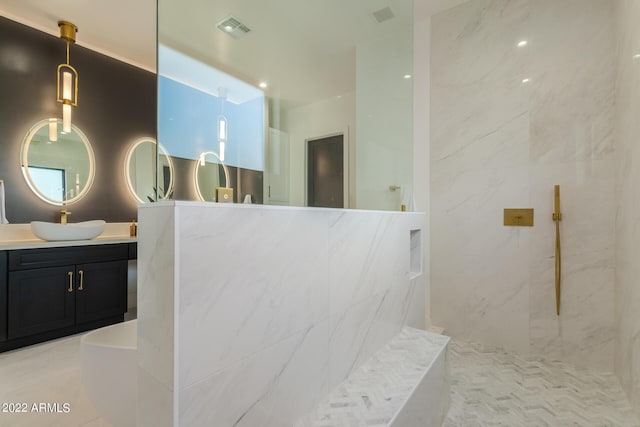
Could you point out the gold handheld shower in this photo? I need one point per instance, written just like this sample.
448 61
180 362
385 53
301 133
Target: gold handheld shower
557 217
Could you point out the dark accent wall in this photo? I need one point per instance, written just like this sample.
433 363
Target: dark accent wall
250 182
116 106
246 181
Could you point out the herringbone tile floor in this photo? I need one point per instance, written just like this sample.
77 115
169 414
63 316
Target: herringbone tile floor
490 387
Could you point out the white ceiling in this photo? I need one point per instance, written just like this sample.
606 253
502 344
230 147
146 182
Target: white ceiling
304 49
123 29
317 62
426 8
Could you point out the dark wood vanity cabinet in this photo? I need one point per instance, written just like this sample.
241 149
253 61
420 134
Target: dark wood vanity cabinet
53 292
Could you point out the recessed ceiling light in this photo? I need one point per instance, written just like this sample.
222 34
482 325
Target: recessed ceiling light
526 80
228 28
407 76
522 43
263 85
636 56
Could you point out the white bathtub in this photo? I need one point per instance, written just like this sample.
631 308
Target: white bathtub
110 371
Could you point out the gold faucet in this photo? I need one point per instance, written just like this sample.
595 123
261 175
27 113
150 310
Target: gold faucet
64 215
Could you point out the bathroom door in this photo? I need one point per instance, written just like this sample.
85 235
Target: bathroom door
325 172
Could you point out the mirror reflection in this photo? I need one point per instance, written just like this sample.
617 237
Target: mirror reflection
209 173
59 167
140 171
354 81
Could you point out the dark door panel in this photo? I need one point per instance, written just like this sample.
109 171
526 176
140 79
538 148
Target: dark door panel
101 290
325 179
40 300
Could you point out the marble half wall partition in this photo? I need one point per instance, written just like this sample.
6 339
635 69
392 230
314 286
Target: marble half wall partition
508 121
250 315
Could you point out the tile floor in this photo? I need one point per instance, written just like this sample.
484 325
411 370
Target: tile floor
489 388
46 373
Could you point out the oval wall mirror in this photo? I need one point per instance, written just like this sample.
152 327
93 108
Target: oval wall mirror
209 173
140 171
58 167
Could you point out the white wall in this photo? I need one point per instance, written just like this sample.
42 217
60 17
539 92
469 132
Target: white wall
323 118
628 194
497 143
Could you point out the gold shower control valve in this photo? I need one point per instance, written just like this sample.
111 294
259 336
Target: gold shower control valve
518 217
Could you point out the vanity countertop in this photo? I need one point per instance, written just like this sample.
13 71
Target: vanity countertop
6 245
19 236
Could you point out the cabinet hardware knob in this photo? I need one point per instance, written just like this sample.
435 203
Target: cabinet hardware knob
81 273
70 274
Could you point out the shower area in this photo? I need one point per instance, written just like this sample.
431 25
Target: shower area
526 95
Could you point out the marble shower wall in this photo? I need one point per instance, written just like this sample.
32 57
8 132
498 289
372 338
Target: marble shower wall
270 308
627 361
507 123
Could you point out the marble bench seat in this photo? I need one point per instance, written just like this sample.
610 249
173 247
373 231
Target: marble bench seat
404 384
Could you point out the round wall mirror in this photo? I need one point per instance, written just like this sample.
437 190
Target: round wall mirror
209 173
58 167
140 171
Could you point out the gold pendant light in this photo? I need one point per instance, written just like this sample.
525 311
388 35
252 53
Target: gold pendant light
222 123
67 77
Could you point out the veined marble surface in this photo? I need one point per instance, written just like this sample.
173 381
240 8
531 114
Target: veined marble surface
507 124
269 388
262 275
249 315
493 387
627 235
370 292
156 318
378 392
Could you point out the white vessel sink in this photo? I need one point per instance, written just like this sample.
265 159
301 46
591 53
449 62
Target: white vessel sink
52 231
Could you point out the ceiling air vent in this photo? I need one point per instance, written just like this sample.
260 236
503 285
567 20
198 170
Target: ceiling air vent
233 27
383 15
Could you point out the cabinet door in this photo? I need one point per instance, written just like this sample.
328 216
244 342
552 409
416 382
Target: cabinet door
40 300
101 290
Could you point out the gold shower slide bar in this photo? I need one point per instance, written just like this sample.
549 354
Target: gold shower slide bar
557 217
